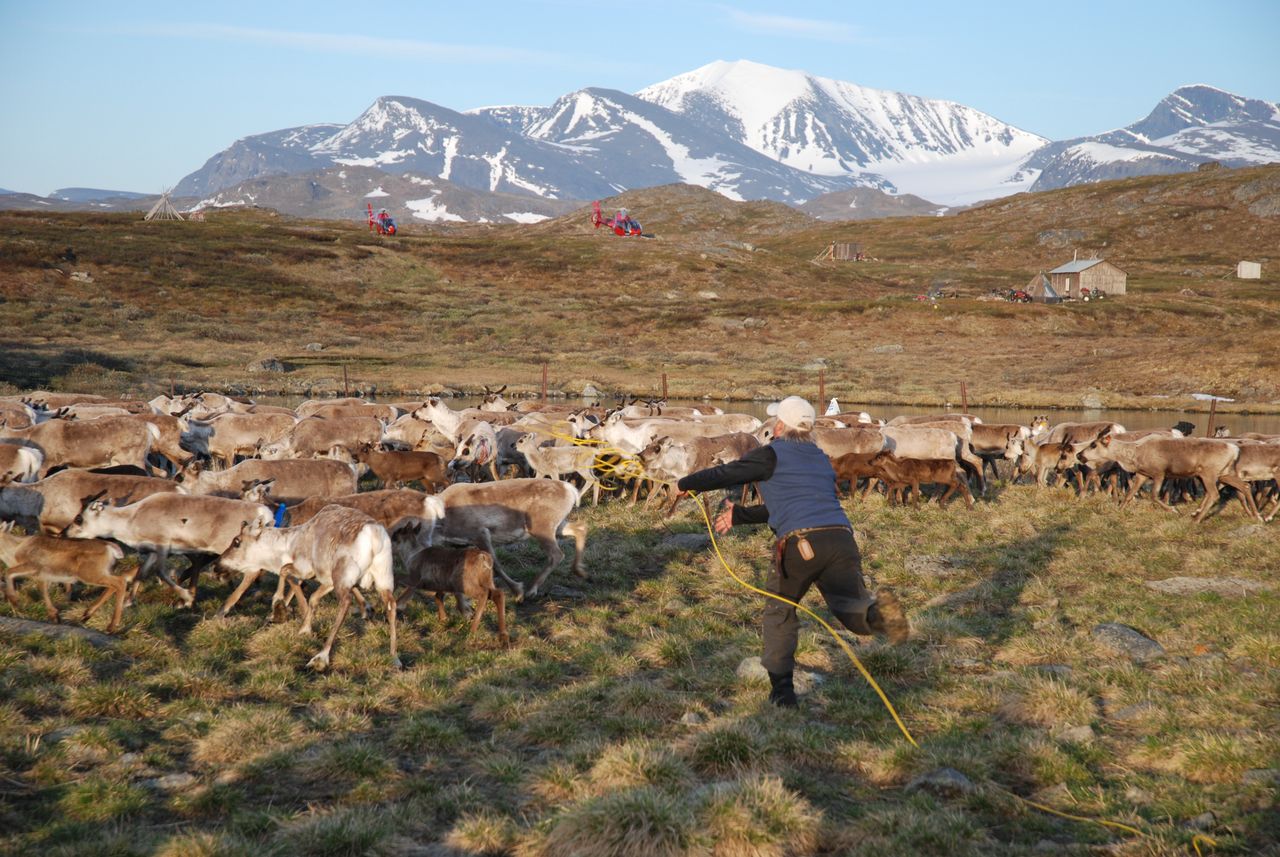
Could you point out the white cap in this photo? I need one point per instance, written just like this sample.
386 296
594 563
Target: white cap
794 411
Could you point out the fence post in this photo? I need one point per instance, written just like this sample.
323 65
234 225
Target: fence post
170 386
964 397
822 389
544 380
664 386
344 381
1213 412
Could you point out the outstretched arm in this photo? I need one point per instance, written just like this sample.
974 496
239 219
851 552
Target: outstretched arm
756 466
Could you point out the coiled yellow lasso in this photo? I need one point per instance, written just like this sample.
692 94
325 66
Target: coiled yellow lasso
629 467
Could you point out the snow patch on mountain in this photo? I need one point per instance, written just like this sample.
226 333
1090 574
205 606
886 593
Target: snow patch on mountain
524 216
835 128
429 209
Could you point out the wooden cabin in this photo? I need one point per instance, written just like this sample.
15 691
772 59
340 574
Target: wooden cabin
1096 275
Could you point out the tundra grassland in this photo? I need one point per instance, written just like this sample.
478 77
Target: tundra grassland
616 723
726 299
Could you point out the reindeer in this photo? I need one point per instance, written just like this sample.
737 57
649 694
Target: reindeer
95 443
295 480
54 560
19 463
512 511
53 502
341 548
493 401
169 523
465 572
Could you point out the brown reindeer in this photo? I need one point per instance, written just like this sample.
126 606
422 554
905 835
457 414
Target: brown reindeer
465 572
53 560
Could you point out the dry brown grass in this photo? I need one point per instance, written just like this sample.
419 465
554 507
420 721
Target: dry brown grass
465 306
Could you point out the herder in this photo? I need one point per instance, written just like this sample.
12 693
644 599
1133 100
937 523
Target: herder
815 543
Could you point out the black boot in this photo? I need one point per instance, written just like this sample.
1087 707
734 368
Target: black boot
783 692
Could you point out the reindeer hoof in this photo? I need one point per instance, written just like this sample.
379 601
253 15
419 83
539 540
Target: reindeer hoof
319 663
396 664
581 573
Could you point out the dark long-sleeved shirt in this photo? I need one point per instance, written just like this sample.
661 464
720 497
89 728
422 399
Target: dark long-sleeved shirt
756 466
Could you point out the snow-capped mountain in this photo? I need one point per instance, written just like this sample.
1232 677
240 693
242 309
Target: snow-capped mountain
1192 125
344 193
272 154
588 144
940 149
748 131
628 143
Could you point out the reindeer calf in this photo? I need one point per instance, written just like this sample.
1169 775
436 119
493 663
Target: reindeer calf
54 560
396 468
853 466
465 572
904 474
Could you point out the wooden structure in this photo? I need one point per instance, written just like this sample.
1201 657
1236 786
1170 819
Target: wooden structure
1096 275
842 252
163 209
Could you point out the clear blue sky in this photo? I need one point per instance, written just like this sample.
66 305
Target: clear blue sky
135 95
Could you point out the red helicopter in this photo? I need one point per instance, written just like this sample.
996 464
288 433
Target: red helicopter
622 223
382 223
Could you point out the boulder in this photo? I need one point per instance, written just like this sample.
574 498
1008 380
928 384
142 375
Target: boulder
266 364
1075 735
893 348
1127 641
752 669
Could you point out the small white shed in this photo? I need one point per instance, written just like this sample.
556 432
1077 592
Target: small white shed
1249 270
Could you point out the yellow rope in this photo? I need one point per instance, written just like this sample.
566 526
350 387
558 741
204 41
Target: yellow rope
630 467
832 631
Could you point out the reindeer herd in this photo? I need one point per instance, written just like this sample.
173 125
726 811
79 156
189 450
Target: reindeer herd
247 489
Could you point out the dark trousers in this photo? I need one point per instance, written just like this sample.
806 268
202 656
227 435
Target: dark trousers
836 569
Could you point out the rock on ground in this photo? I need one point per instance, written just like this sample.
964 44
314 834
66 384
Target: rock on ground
687 541
946 782
1227 587
12 625
752 669
1127 641
266 364
1076 735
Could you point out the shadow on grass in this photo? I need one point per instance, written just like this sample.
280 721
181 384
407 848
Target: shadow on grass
37 367
991 606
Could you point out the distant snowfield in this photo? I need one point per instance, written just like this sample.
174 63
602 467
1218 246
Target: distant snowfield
429 209
1103 153
1221 143
962 179
377 191
525 216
